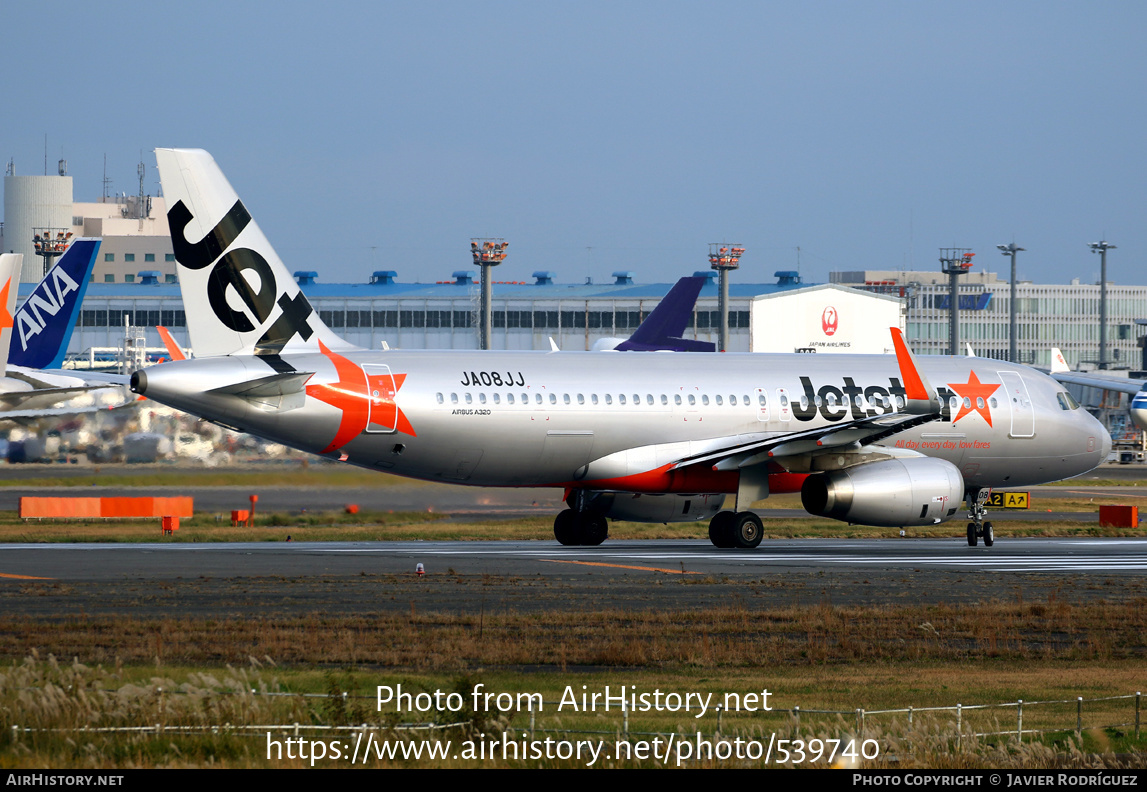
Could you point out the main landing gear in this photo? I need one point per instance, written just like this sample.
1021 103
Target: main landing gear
578 525
580 528
735 529
979 527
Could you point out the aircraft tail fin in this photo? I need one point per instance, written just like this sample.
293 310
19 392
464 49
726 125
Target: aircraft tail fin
43 326
10 264
238 295
665 325
1058 363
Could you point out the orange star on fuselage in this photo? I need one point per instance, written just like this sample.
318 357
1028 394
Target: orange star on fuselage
362 400
974 390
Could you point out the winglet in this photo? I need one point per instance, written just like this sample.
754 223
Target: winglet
917 391
169 342
1058 363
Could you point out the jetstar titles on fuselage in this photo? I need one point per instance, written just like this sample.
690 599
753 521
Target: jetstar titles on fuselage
855 402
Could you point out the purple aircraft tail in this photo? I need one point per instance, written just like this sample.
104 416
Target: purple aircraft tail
663 328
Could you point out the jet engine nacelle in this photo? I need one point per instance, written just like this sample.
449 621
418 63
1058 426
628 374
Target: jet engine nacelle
1139 409
642 507
894 493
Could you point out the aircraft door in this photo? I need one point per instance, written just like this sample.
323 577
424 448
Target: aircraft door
1015 393
380 393
784 406
762 405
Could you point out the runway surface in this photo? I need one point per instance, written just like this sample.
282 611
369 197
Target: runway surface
265 579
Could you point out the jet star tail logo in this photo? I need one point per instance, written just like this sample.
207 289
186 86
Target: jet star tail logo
977 394
363 400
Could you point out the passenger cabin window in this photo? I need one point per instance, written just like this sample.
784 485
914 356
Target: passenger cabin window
469 399
705 400
692 400
649 398
593 398
566 398
664 399
581 398
621 398
441 399
509 398
481 398
453 398
677 398
609 398
720 403
553 398
538 398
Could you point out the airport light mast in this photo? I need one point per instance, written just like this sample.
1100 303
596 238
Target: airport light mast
50 243
487 252
1101 248
1011 250
954 262
724 258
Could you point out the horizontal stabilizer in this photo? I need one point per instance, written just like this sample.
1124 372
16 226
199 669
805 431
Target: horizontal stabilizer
269 386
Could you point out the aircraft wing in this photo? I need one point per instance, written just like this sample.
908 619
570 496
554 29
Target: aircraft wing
46 396
1097 380
812 441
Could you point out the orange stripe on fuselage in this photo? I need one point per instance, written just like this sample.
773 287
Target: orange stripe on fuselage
688 479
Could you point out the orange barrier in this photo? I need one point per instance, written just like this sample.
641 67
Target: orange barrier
105 507
1119 516
240 517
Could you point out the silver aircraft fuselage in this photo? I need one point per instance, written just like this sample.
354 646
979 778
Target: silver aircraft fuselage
618 421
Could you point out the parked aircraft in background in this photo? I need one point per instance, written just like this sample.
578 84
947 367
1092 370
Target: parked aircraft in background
36 337
878 439
43 326
1137 388
663 329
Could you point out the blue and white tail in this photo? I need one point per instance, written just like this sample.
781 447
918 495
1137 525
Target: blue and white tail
42 328
238 295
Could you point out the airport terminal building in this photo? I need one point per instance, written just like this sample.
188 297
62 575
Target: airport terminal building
135 281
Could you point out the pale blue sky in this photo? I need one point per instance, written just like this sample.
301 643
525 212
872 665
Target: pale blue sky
618 135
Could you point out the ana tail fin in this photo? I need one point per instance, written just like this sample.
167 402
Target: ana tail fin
43 326
238 295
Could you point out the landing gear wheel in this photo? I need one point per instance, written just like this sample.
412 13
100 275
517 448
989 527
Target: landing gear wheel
594 529
566 528
747 530
989 535
972 535
721 530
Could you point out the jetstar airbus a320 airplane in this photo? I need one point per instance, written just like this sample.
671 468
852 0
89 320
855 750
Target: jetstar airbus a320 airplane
877 439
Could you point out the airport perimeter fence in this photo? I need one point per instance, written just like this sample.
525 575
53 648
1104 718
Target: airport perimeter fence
974 721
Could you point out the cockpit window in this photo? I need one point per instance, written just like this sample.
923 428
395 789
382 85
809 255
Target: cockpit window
1066 401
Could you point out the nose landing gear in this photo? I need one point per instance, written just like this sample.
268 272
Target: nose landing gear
979 528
